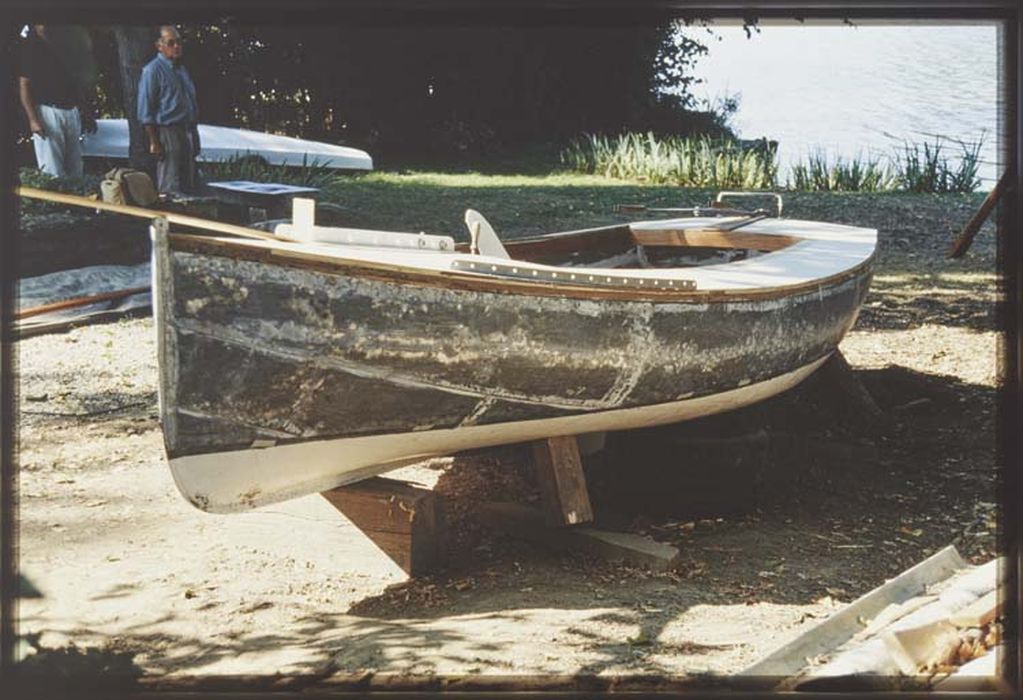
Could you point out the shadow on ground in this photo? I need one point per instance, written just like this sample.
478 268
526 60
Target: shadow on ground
783 502
787 502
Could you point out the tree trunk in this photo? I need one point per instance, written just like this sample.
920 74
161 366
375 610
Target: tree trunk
134 49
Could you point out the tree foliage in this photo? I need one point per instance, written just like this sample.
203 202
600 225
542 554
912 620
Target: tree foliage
402 91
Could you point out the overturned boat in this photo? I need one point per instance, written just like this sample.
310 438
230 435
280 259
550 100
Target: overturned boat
319 356
224 143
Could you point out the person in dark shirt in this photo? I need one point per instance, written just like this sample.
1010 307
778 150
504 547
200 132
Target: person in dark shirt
169 113
52 103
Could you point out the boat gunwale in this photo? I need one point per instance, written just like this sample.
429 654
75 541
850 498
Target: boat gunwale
467 281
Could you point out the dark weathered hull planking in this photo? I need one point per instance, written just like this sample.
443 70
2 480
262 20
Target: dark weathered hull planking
259 352
272 352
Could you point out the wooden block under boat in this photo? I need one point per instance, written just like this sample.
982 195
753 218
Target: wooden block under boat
403 520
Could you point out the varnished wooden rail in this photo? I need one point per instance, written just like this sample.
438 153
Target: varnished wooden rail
143 213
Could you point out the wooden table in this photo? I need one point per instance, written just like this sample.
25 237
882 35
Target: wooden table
272 197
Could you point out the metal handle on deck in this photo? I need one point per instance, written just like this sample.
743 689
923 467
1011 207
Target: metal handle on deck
777 197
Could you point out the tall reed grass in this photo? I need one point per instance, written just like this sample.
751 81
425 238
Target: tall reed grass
687 161
926 168
704 162
818 174
916 167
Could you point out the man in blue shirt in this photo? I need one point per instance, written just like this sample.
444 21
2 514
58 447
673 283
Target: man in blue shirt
168 112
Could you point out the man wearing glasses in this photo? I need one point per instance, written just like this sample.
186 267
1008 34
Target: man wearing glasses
168 112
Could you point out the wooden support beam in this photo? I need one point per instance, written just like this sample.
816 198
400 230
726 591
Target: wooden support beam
528 523
838 372
559 473
965 238
405 521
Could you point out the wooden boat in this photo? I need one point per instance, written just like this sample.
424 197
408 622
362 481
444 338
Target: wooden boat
297 363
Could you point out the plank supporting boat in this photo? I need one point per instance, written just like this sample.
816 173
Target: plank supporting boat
405 521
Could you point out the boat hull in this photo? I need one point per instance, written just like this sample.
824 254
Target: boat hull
279 380
226 482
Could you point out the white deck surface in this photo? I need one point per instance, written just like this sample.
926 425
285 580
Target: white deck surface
825 250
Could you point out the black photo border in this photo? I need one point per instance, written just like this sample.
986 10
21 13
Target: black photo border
16 13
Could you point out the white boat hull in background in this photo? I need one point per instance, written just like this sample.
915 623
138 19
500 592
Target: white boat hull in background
220 143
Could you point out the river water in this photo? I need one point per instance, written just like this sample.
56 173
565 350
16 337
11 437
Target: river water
860 90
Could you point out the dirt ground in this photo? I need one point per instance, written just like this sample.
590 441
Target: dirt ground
818 508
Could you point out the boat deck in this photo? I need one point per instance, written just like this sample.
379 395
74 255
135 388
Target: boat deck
804 252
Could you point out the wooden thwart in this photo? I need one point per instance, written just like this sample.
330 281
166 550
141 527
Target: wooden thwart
713 238
559 473
403 520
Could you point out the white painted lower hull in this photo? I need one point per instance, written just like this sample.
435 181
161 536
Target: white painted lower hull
224 482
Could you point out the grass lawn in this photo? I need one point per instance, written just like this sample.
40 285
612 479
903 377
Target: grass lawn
519 205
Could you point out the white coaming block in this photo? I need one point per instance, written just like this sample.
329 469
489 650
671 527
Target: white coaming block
333 235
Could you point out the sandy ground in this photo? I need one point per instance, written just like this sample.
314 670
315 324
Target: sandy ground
127 567
122 559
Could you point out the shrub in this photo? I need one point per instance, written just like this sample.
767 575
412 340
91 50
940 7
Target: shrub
84 186
256 169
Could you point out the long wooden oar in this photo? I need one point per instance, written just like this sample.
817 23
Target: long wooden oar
142 212
78 301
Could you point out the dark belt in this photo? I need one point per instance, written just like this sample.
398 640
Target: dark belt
59 105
